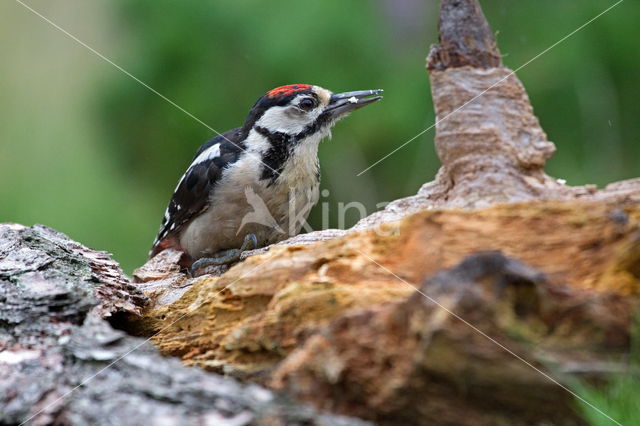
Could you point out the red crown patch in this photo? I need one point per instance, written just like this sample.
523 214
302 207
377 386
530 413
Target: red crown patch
287 90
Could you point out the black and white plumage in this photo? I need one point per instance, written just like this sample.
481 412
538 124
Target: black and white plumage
261 178
200 178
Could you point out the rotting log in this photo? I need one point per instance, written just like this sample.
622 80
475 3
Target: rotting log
465 38
333 316
62 363
413 363
256 313
490 143
548 271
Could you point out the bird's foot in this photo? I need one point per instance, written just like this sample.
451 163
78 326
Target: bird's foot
226 257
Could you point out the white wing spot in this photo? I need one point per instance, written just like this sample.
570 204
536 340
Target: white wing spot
208 154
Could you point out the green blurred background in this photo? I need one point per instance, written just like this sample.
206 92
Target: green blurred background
89 151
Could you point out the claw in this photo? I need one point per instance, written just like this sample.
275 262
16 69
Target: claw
250 242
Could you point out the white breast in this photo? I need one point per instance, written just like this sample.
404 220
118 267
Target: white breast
242 203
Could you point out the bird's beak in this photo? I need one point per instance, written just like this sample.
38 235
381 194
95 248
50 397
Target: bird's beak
341 104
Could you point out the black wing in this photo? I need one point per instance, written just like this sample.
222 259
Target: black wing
191 196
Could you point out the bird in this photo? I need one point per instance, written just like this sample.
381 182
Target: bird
255 185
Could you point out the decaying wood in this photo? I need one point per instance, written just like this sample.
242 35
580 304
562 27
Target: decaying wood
62 363
333 316
490 143
384 321
255 314
32 257
339 323
411 362
465 38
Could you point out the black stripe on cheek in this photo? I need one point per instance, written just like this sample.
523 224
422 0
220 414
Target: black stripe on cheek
322 120
282 145
277 155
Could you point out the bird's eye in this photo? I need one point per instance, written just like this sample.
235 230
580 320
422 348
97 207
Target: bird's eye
307 104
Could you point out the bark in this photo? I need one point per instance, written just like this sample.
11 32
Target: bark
465 38
32 257
547 270
61 362
410 362
280 297
367 321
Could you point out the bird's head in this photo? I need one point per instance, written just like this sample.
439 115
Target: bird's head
303 109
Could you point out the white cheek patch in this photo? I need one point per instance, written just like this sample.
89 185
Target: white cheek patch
287 119
280 119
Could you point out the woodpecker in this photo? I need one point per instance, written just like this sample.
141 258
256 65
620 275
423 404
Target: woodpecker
254 185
